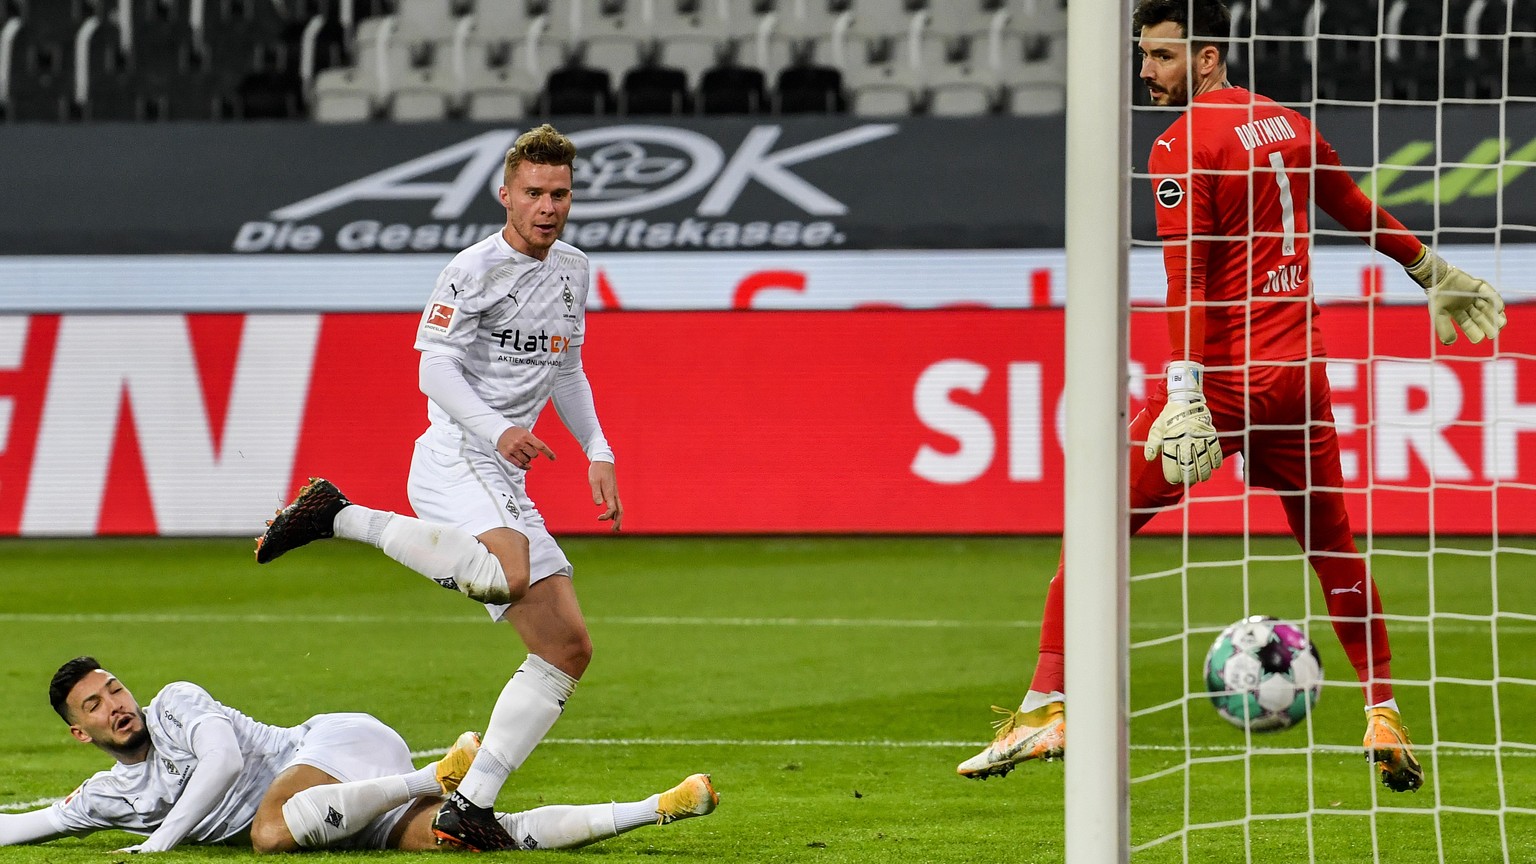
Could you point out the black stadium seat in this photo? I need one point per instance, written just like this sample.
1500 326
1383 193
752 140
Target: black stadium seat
577 89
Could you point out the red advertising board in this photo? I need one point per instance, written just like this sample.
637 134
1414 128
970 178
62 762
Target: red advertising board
872 421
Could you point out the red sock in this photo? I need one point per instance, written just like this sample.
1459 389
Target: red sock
1148 490
1353 601
1050 675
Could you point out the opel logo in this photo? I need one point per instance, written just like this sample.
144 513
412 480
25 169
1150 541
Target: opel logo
1169 192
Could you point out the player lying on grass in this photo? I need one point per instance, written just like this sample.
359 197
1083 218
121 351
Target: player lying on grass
1235 177
190 770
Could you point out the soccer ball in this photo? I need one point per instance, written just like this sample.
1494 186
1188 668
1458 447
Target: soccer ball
1263 674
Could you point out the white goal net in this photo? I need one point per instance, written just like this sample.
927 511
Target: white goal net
1431 106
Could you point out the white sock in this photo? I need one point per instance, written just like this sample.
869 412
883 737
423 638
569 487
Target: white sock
563 826
629 815
365 525
1390 703
451 557
423 781
1035 699
525 711
322 816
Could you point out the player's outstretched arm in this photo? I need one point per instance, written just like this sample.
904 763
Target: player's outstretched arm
219 763
1183 432
1457 299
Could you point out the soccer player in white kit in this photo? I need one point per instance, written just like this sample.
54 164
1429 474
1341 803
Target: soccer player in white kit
193 771
501 336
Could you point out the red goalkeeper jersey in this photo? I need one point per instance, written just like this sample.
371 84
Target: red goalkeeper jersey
1234 178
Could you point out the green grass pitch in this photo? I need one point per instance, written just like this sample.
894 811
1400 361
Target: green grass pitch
830 686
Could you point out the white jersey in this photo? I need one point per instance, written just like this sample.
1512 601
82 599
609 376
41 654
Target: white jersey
510 320
137 798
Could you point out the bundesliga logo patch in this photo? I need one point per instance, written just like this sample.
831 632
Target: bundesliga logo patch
440 317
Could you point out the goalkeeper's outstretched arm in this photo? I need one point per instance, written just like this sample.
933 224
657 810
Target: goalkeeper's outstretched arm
1456 299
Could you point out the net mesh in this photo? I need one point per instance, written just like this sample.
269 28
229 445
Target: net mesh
1432 108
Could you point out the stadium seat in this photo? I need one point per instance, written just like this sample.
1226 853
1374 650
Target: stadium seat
730 88
651 88
1280 56
806 86
882 77
349 94
958 57
420 57
40 82
424 20
425 94
1521 82
974 19
495 91
170 76
1347 56
1032 74
343 95
551 39
1480 58
881 19
960 87
231 30
800 27
102 87
322 43
612 34
497 35
49 21
268 94
1410 52
576 89
688 31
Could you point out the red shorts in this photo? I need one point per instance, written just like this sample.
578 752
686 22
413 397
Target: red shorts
1279 417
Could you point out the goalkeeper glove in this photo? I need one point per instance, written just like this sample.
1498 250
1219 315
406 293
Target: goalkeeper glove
1454 296
1183 431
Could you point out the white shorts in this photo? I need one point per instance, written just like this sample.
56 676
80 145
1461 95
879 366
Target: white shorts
356 747
478 492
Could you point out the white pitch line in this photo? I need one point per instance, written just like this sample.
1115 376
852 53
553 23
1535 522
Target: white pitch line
29 805
1446 625
914 623
888 744
621 620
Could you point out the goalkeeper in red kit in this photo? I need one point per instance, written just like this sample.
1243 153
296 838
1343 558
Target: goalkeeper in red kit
1233 178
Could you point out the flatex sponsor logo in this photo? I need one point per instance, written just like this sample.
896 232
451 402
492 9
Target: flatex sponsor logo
622 176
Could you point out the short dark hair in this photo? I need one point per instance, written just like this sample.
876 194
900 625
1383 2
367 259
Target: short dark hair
65 680
1212 21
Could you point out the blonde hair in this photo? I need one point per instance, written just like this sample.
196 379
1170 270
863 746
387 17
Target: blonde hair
541 146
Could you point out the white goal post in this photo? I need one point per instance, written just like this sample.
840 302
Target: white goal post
1094 537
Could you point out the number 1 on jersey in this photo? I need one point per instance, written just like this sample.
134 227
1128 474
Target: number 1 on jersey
1287 205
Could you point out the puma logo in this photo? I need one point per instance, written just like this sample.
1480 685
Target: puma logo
1355 590
1168 143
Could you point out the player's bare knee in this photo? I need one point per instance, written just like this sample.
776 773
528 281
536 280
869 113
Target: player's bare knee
271 837
509 550
574 655
517 585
